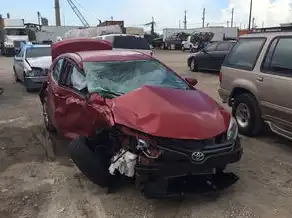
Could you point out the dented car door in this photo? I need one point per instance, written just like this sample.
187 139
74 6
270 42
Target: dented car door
71 114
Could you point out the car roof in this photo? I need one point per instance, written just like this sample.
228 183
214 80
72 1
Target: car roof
266 34
121 34
225 41
111 55
37 46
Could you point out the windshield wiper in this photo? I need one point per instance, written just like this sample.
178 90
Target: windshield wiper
112 93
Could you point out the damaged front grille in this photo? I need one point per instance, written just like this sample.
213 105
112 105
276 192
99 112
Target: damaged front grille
182 149
190 144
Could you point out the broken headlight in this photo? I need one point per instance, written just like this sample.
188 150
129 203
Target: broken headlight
232 129
152 152
36 72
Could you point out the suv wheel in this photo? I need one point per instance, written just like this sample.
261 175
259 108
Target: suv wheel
247 114
193 65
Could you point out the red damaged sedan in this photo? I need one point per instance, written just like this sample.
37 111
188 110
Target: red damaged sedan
128 114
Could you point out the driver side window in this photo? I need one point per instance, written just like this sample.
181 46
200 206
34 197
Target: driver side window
57 69
75 79
211 47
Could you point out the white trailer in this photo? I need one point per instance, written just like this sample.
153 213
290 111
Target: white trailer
12 33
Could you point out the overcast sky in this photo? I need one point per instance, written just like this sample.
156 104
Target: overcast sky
167 13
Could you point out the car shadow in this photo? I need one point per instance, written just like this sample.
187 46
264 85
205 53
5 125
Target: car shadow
272 138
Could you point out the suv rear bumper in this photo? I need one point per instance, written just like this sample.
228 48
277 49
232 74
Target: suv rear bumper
224 95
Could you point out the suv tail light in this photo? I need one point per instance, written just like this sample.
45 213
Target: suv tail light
220 77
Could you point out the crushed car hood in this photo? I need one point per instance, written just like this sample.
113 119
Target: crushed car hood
42 62
172 113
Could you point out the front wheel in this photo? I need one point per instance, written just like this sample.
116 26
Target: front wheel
94 164
47 121
193 65
15 75
247 114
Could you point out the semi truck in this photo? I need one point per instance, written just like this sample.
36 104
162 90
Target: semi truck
12 34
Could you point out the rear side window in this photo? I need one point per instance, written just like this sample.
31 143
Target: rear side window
57 69
281 62
130 42
224 46
245 53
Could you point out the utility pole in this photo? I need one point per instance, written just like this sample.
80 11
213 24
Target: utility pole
57 13
39 17
253 22
227 23
232 12
203 18
185 20
250 11
152 26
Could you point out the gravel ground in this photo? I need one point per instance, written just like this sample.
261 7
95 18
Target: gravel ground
33 186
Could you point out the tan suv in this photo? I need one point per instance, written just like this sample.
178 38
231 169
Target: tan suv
256 80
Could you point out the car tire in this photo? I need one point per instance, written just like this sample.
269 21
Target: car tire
247 114
15 75
25 84
193 65
47 120
93 164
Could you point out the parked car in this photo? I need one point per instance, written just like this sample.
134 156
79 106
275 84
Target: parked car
127 112
211 57
128 42
255 80
31 65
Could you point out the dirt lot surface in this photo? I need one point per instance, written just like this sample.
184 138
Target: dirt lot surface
33 186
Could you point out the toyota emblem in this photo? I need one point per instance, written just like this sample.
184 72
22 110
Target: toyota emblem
198 156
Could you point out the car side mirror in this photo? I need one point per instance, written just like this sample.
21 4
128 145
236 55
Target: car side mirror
191 81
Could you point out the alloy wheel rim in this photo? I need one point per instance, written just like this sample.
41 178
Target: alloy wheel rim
193 65
242 115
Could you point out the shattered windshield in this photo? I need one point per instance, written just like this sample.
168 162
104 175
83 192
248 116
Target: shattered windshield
38 52
121 77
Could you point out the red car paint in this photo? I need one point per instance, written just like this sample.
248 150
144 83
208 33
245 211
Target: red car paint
75 45
165 112
171 113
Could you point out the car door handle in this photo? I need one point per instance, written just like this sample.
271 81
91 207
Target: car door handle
260 79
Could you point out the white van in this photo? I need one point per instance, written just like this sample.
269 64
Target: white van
127 42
